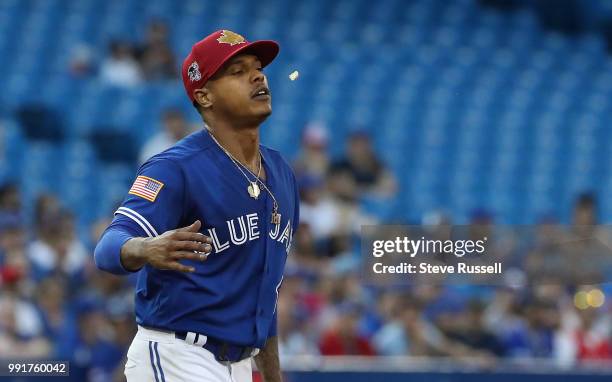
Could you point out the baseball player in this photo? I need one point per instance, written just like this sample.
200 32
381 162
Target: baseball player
207 225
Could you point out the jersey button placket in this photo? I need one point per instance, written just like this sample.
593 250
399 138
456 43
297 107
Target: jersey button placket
267 210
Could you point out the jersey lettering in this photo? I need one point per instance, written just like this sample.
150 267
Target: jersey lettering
218 247
248 231
253 229
232 230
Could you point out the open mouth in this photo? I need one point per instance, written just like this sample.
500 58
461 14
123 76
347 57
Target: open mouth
261 94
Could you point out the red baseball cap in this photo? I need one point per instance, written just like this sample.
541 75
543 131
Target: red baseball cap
209 54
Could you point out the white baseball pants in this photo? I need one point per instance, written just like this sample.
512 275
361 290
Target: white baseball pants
156 356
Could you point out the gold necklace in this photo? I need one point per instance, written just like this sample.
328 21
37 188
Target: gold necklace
253 188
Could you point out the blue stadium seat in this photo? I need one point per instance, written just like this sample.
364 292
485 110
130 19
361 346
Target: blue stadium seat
456 88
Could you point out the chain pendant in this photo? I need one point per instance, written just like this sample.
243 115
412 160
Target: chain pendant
276 217
254 190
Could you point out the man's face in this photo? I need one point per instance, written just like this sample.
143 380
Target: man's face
233 90
584 215
176 126
359 148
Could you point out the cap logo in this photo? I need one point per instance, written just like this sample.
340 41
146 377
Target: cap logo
194 72
232 38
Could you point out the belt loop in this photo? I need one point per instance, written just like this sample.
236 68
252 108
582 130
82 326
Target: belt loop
190 338
201 340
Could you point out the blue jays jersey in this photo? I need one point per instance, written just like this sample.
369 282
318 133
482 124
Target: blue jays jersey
232 295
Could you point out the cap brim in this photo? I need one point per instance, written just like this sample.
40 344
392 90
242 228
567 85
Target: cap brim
265 50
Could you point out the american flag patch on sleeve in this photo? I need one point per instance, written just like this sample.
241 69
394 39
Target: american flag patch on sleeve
146 188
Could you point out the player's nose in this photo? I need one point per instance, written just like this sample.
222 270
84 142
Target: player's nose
258 76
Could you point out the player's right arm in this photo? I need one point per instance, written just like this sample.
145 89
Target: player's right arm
154 204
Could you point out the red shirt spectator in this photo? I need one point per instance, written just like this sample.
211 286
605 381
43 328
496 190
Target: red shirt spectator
343 337
333 343
591 347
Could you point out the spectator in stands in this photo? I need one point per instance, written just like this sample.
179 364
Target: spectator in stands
96 354
533 335
543 261
318 209
293 328
473 332
382 308
112 290
343 337
57 249
81 62
409 333
54 304
174 128
121 68
305 256
156 57
585 210
313 158
11 230
21 328
393 337
10 201
13 261
585 218
331 209
46 206
590 244
593 337
14 266
366 169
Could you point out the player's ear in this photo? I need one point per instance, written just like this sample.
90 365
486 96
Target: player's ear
203 97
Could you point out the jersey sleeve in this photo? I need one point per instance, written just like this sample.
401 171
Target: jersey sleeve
154 203
107 254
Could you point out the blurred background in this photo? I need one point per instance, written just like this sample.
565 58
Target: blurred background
405 111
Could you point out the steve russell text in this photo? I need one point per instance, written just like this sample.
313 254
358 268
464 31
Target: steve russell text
426 268
422 246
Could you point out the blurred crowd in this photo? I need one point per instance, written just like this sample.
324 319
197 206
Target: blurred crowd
128 63
326 308
55 304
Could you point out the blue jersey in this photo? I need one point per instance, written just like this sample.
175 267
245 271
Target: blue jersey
232 295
